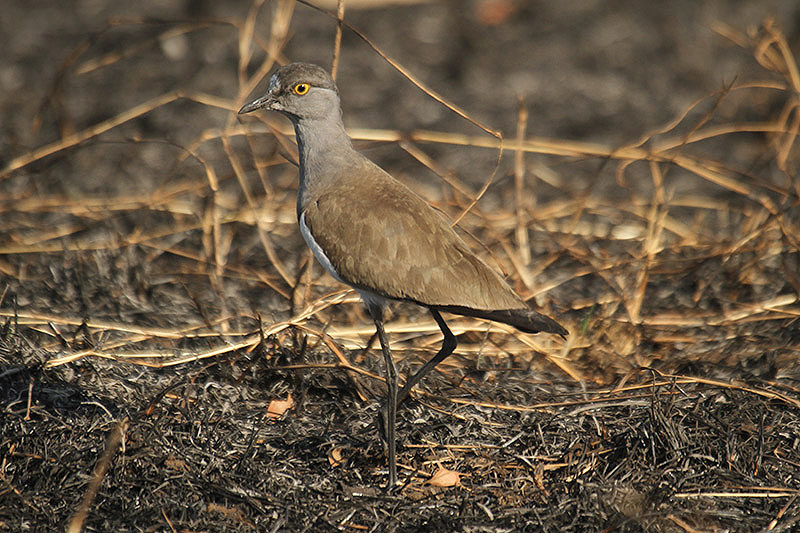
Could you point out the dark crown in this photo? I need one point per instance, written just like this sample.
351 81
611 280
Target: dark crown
315 76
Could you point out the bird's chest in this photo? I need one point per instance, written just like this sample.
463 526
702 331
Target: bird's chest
319 253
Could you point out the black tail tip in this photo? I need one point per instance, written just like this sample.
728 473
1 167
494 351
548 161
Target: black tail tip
545 324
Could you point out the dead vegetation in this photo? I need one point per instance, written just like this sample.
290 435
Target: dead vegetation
172 360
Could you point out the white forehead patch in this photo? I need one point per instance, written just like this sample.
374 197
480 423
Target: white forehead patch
273 83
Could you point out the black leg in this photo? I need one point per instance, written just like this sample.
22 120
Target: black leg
391 398
449 344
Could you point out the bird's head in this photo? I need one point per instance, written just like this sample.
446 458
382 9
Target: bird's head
299 91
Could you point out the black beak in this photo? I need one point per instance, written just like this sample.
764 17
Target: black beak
265 101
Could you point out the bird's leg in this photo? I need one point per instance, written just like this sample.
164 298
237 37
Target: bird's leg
449 344
391 396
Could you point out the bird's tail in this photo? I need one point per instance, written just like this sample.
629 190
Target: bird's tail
523 319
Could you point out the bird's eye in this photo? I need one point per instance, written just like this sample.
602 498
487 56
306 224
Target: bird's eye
301 88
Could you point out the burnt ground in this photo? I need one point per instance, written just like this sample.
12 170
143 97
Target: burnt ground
157 303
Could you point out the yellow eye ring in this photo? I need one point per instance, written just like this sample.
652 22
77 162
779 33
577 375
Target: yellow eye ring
301 88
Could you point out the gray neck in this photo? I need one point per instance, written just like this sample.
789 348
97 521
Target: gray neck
324 148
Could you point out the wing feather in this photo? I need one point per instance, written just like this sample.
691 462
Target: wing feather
405 250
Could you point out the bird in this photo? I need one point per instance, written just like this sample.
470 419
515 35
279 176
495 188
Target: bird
373 233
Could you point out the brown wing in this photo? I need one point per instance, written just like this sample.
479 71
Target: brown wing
405 250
